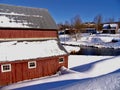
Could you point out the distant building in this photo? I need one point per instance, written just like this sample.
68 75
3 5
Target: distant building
91 30
111 28
89 27
29 46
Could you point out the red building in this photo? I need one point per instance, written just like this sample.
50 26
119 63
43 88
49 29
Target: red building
29 44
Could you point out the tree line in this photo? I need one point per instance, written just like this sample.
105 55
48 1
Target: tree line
76 23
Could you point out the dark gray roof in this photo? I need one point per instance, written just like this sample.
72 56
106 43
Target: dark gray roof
25 17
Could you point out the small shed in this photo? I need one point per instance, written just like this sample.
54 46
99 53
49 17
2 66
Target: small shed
28 60
29 44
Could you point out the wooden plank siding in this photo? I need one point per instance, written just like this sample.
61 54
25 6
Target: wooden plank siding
20 71
9 34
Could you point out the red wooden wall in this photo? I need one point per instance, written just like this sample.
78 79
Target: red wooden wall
27 33
20 71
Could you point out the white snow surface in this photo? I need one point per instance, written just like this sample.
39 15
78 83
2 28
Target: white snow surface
111 25
102 66
6 23
10 51
87 80
18 14
71 48
95 40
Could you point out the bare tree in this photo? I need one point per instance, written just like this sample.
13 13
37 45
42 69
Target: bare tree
98 21
76 24
67 24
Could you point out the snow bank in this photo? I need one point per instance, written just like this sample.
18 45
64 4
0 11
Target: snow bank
96 40
63 74
71 48
64 38
108 82
10 51
78 60
98 65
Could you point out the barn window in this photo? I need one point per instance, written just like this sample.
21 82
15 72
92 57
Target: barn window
32 64
61 59
6 67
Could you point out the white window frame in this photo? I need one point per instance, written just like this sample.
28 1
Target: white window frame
31 62
61 58
6 70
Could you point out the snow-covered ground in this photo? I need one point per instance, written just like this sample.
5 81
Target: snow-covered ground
84 73
96 40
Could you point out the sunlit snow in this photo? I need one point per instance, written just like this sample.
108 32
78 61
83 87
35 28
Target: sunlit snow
10 51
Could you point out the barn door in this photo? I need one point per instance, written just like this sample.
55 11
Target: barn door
18 72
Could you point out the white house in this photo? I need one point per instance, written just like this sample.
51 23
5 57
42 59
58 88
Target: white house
110 28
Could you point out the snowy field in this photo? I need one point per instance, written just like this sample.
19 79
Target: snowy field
95 40
84 73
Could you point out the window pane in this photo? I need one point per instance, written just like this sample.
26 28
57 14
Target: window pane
32 64
6 67
61 60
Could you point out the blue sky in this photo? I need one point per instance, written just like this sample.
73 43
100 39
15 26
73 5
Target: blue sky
62 10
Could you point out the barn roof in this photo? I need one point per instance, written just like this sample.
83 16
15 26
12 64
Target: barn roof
11 51
25 17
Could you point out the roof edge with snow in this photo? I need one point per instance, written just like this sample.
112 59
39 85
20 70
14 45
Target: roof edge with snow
12 51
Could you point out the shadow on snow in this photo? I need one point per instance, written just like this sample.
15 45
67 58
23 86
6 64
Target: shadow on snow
87 67
60 85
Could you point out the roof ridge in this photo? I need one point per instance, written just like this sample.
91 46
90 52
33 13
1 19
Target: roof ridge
38 8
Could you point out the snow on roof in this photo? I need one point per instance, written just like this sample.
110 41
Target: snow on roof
105 25
10 51
13 24
25 17
114 25
71 48
111 25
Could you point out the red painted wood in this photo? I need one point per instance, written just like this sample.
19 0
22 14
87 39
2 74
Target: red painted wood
27 33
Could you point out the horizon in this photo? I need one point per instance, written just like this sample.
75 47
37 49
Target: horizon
65 10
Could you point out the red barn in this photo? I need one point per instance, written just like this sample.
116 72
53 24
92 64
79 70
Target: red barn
29 44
